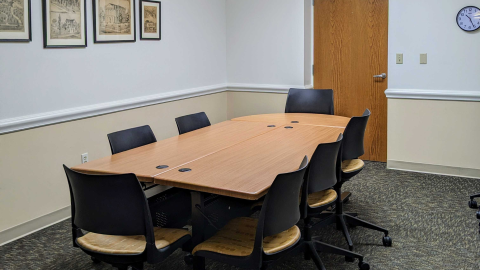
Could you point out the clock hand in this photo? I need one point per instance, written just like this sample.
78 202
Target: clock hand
470 20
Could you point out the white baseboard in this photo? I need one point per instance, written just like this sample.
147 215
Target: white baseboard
34 225
433 169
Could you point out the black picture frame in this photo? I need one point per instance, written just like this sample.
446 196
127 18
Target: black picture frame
45 28
458 15
140 9
29 15
95 40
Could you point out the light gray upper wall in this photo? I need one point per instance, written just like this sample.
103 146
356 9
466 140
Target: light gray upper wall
265 41
192 53
429 26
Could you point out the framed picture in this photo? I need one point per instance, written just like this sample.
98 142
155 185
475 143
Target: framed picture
150 20
64 23
15 21
114 21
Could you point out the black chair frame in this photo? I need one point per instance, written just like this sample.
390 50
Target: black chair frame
279 212
322 174
139 221
318 101
352 148
191 122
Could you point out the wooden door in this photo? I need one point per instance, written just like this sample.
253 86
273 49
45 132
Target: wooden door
351 46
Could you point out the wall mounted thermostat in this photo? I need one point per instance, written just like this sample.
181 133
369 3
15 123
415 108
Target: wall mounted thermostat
468 18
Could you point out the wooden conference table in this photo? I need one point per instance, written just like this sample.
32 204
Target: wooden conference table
238 158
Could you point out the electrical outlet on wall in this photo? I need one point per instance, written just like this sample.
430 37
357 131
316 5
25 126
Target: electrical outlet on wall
84 158
399 58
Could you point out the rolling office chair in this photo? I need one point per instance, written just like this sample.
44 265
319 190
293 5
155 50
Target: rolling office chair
352 148
124 140
192 122
258 244
114 211
319 101
318 195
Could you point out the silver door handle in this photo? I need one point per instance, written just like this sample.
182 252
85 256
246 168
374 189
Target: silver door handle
383 76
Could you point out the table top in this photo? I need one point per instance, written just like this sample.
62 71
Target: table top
247 170
301 118
175 151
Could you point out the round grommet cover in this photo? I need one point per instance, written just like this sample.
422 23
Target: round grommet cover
184 170
162 167
271 126
288 127
295 122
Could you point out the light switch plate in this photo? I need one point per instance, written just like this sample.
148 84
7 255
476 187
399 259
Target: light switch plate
399 58
423 58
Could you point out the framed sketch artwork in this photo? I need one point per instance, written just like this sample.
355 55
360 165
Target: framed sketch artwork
15 21
114 21
150 20
64 24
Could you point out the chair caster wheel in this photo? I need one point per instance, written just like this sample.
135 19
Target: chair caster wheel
478 214
363 266
387 241
188 259
472 204
95 260
349 259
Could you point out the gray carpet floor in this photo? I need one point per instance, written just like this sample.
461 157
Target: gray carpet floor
427 215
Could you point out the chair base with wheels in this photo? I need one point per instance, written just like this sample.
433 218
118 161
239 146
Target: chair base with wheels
472 203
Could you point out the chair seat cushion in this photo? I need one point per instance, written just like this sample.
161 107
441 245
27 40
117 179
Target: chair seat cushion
237 238
352 165
320 198
116 244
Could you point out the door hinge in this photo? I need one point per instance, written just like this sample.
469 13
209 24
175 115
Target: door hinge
313 2
313 70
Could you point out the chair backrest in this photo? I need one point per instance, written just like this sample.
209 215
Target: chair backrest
130 138
108 204
318 101
280 209
192 122
324 168
353 136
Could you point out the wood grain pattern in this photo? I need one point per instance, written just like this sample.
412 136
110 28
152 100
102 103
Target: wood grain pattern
248 169
351 45
175 151
302 118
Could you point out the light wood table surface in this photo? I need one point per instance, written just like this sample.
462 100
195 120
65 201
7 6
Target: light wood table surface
247 170
301 118
175 151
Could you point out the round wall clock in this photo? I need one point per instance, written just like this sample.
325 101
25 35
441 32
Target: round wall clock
468 18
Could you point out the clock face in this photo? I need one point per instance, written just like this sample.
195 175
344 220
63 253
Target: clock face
469 18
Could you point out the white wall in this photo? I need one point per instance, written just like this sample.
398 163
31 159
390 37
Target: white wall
192 53
428 26
265 41
425 134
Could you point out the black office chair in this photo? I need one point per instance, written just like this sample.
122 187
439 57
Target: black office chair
352 148
318 101
113 210
258 244
124 140
192 122
318 195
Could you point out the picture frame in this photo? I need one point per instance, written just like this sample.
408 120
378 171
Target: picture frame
114 21
64 23
16 21
150 20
